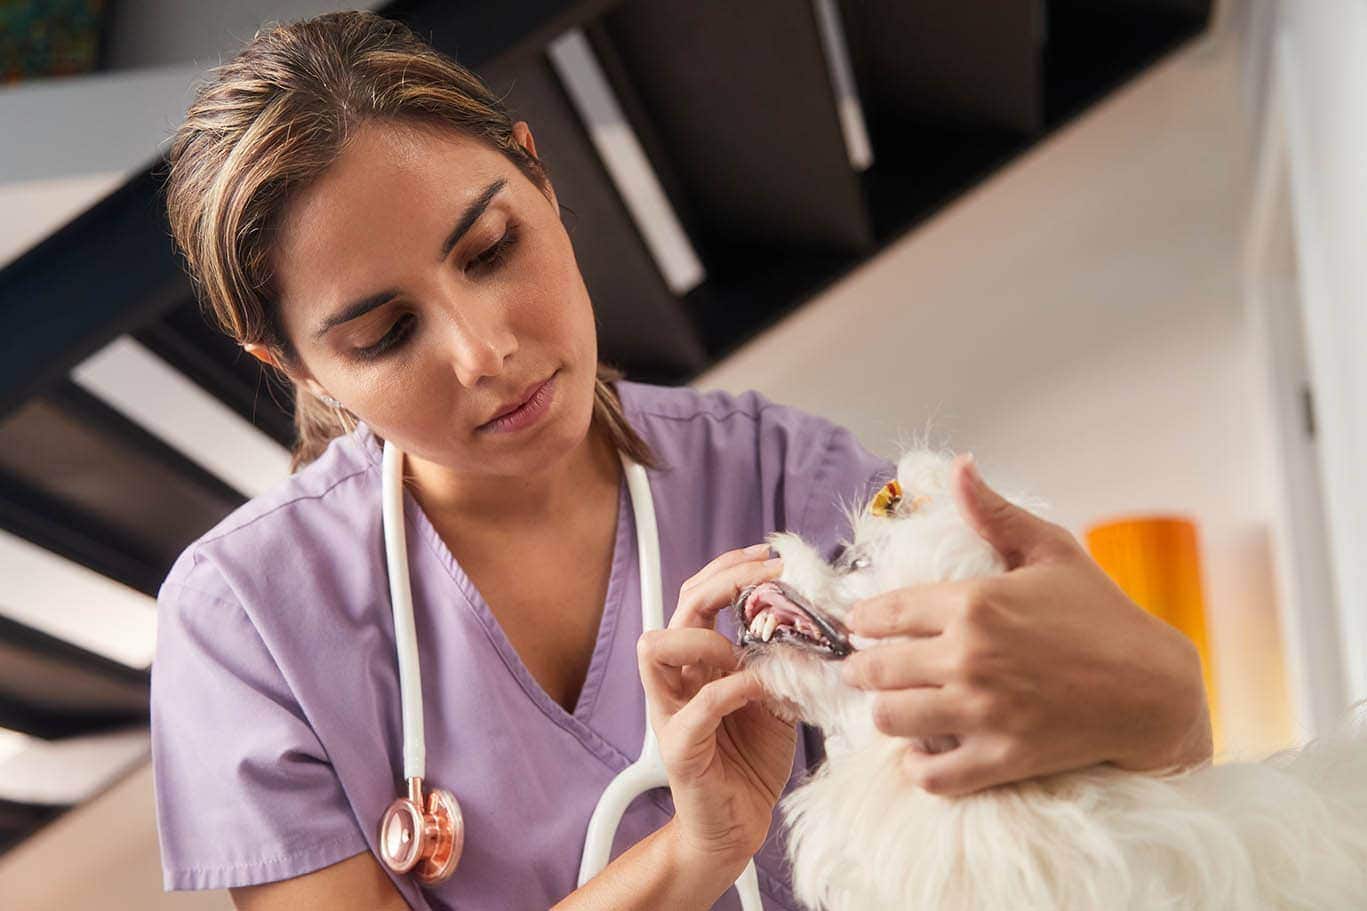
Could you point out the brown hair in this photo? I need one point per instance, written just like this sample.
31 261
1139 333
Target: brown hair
272 120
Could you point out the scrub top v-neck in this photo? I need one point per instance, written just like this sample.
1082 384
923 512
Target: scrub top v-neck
275 711
623 549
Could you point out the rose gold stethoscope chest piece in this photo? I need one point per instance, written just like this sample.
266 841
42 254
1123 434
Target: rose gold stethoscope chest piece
426 841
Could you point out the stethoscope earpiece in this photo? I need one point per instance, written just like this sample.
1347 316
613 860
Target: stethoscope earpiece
427 841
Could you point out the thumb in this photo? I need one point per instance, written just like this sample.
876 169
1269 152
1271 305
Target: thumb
1012 531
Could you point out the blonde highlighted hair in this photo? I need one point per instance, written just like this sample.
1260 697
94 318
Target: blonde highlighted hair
272 120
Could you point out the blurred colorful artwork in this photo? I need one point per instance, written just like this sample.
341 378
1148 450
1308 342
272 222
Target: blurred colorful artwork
49 37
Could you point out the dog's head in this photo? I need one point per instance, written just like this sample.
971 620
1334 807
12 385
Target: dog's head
793 629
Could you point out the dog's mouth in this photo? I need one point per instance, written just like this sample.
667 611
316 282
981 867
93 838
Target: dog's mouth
775 613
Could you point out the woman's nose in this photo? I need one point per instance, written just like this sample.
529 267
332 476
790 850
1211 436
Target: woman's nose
480 342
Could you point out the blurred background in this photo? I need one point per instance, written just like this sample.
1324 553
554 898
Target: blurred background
1110 246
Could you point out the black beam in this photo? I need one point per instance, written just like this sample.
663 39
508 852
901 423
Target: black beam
109 271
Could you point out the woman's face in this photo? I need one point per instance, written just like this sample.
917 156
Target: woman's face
424 339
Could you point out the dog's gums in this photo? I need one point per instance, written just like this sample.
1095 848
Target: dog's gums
776 613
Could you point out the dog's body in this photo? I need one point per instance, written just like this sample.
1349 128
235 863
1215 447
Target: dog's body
1289 833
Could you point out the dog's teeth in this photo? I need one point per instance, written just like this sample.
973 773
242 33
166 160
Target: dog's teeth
757 622
770 624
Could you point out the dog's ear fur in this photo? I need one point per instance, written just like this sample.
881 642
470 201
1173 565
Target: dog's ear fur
804 567
923 473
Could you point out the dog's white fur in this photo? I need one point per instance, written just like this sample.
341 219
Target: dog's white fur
1288 833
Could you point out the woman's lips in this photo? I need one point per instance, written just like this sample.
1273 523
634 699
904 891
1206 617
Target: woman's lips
526 414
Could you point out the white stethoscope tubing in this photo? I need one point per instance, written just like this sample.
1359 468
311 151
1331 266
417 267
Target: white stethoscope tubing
645 774
648 771
401 598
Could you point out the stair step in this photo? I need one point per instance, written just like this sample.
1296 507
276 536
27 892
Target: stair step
50 688
184 339
65 446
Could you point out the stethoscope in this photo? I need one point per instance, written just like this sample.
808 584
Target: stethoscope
426 837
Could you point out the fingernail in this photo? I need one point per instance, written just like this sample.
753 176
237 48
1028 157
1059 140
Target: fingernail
755 550
971 466
849 672
774 562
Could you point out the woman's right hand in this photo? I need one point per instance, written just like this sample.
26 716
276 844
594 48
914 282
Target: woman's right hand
726 755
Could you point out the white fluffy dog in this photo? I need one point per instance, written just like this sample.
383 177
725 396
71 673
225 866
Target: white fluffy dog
1289 833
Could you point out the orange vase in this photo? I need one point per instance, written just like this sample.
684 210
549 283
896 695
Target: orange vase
1156 561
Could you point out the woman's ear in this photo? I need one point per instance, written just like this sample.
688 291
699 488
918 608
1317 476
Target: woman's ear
268 357
523 134
263 354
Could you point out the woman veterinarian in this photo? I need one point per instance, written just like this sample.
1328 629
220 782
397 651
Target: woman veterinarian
360 212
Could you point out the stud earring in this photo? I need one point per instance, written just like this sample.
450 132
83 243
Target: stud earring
330 401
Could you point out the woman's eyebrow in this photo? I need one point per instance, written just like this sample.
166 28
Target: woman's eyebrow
361 307
471 216
352 311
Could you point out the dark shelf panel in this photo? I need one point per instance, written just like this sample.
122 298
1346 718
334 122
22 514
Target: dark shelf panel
641 323
1093 47
975 65
921 167
741 98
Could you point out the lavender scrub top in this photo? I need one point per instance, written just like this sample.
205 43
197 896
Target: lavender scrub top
276 730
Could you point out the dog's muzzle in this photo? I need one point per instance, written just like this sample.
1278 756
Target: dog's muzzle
775 613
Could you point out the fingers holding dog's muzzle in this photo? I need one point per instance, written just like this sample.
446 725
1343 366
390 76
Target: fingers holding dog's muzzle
704 596
976 763
899 665
691 733
676 663
920 712
923 610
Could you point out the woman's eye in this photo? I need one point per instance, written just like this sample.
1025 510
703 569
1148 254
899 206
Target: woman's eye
495 254
491 258
396 334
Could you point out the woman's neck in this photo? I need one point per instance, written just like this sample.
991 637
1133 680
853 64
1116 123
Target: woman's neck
560 490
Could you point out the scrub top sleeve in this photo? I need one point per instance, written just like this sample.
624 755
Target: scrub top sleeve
827 473
245 793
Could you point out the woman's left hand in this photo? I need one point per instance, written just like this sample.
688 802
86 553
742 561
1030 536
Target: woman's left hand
1045 668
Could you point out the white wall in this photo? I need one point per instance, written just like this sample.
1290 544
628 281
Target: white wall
159 32
1321 67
